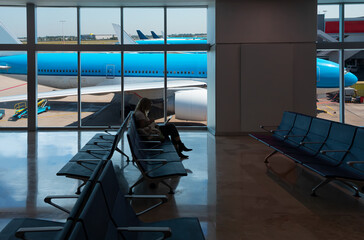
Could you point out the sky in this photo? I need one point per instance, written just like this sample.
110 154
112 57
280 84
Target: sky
62 21
332 10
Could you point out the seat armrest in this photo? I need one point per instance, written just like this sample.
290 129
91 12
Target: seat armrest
94 150
89 160
164 161
167 232
48 199
303 143
106 141
163 199
265 128
327 151
21 231
286 136
151 149
351 163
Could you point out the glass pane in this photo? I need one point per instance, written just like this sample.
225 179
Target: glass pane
328 23
327 72
97 25
354 91
13 89
56 25
186 25
100 89
187 88
354 23
139 24
13 25
144 78
57 89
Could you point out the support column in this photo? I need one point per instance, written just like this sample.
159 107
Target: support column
32 67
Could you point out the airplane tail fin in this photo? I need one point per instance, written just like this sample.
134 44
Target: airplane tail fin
127 39
7 38
141 35
154 34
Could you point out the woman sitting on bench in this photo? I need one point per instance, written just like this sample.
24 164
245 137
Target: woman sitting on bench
148 127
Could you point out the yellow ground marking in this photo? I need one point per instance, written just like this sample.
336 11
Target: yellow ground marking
57 115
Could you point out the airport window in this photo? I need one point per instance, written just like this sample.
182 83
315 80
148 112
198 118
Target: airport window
97 25
329 32
140 28
14 20
56 26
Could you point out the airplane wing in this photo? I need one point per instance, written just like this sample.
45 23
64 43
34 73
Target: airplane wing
104 89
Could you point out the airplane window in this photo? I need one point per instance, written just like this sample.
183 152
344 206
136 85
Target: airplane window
174 72
188 72
150 71
203 72
192 72
156 71
99 71
185 72
139 71
177 72
142 71
199 72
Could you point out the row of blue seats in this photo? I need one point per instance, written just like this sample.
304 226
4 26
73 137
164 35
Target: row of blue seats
331 149
155 160
101 211
101 147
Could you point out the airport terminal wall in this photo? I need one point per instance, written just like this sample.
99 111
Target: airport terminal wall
265 62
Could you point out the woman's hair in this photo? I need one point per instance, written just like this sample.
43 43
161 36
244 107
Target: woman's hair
144 105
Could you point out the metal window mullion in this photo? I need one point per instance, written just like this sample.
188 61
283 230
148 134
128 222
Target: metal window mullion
79 120
32 79
165 64
341 64
122 110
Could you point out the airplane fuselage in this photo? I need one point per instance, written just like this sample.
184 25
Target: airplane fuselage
59 70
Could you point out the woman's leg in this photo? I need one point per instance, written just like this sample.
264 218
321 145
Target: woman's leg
170 129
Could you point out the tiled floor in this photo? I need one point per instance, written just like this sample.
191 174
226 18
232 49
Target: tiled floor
228 188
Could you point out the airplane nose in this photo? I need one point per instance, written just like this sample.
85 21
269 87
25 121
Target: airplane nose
350 79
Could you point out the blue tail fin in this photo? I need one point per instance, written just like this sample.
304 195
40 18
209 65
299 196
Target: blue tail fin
154 34
141 35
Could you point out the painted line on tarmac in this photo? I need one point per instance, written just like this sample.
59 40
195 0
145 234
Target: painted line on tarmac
1 90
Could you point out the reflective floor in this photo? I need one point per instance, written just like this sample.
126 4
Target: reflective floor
229 188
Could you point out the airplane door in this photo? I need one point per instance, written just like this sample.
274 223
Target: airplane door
110 71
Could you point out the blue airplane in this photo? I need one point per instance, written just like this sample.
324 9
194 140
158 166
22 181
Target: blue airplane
158 40
154 35
141 35
143 74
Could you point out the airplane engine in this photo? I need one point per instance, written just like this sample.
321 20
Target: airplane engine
191 104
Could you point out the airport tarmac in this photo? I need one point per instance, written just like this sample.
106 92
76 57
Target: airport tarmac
63 111
328 109
97 110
